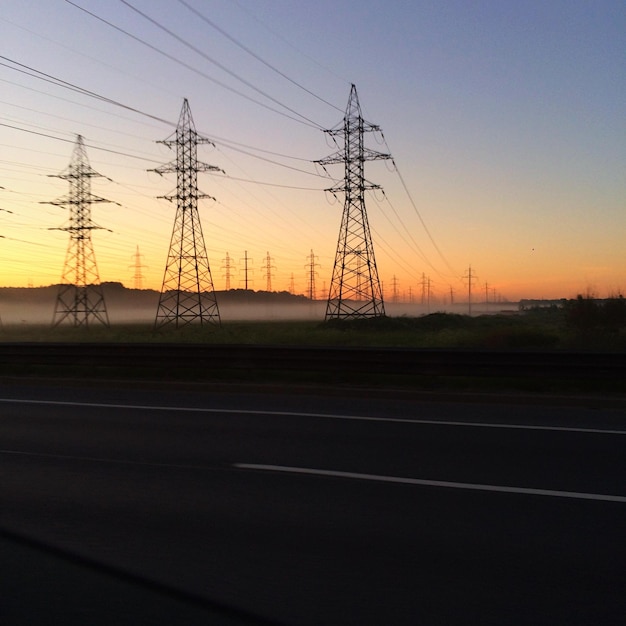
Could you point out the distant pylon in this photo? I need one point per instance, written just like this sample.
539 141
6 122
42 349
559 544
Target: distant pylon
268 272
394 285
470 279
246 260
137 266
228 267
355 290
80 299
187 295
311 265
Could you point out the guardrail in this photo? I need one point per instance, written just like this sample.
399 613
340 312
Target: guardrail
202 359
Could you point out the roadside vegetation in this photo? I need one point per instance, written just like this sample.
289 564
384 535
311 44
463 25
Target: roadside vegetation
580 324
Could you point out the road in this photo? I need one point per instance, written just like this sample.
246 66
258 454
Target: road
297 508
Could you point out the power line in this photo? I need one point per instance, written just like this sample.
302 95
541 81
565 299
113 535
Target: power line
267 184
68 119
92 59
279 35
218 64
59 82
289 167
34 132
224 143
32 243
186 65
417 212
74 102
256 56
40 127
232 145
412 241
229 177
229 144
34 73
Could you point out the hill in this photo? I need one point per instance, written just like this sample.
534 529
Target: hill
35 305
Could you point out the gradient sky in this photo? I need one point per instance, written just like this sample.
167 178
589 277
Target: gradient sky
505 119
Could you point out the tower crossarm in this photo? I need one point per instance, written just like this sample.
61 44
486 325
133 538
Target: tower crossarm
340 157
173 168
67 201
191 132
341 187
174 196
374 155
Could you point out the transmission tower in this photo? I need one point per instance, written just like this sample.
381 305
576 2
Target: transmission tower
137 266
228 266
187 295
80 300
355 289
470 279
246 259
423 284
311 265
394 285
268 272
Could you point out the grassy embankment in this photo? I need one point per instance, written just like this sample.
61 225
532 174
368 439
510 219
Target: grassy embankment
579 325
561 328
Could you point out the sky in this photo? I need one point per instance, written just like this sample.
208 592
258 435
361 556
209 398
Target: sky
506 122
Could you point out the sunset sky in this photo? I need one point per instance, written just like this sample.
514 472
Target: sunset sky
506 121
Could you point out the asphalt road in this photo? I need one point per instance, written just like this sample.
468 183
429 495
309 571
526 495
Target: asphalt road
188 506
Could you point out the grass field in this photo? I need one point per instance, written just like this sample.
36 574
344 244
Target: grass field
535 329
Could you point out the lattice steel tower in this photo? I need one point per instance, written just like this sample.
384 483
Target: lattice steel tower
137 266
187 295
80 300
355 289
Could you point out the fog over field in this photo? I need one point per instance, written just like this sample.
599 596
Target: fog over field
36 305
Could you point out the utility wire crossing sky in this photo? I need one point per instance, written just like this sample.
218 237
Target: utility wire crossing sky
505 122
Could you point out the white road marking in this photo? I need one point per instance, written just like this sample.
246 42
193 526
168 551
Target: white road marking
337 474
361 418
432 483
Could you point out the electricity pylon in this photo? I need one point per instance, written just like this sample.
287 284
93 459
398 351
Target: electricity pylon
394 286
80 300
355 290
246 259
137 266
470 279
228 266
187 295
268 272
311 275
